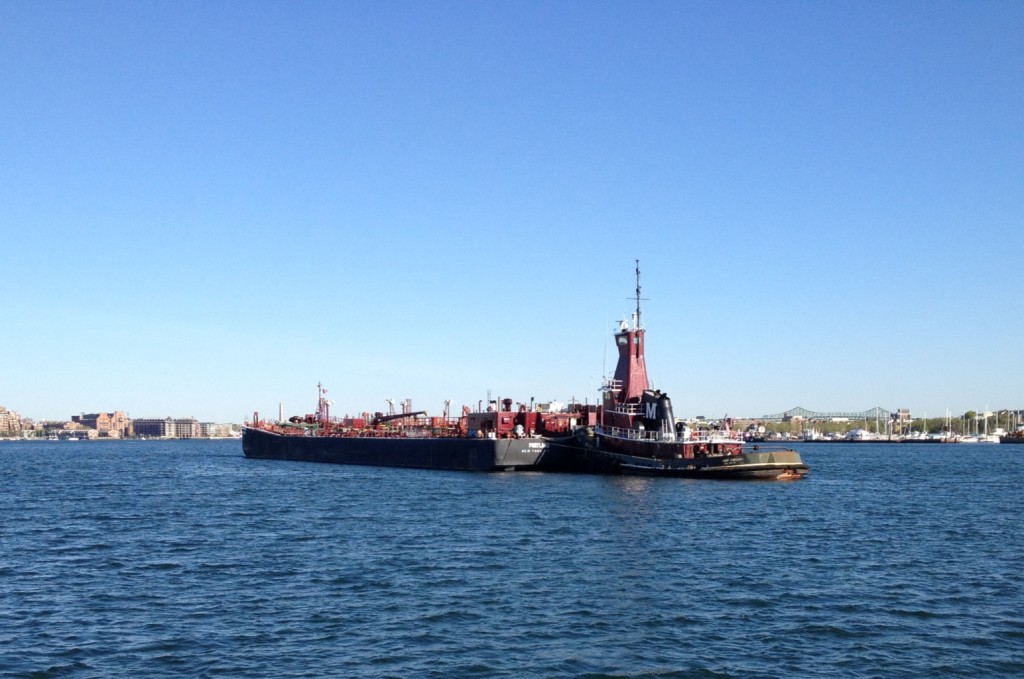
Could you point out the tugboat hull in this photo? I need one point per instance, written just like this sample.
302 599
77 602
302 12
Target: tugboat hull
782 464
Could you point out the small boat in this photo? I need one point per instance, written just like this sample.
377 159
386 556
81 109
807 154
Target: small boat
860 436
637 432
1013 437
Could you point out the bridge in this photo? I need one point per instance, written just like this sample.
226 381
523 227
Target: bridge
876 413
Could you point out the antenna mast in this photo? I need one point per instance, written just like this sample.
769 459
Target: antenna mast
637 293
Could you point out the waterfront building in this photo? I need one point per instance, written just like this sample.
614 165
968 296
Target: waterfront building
115 424
167 428
10 422
63 429
216 430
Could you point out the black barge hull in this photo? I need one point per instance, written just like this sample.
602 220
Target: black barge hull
457 454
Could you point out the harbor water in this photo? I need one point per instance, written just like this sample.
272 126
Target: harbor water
184 558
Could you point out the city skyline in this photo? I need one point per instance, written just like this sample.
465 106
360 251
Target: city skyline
796 412
209 212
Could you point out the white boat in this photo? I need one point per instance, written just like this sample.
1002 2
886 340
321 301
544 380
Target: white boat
860 435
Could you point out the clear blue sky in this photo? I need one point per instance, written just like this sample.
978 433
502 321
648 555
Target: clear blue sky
208 207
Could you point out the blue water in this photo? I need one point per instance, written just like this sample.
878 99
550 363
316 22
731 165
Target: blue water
183 558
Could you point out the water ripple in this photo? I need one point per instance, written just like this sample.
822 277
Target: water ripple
186 559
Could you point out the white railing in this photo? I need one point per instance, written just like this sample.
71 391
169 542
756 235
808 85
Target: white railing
705 436
610 384
627 409
637 434
701 436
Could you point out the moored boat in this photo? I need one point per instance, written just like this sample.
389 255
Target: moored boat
1013 437
637 432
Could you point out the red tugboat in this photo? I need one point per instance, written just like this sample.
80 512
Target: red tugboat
497 438
637 432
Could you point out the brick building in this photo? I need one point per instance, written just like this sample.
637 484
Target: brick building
10 422
115 424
